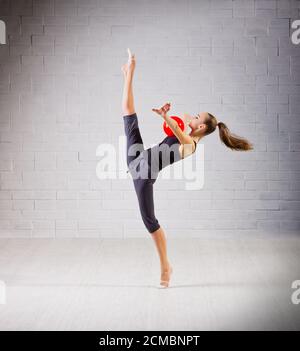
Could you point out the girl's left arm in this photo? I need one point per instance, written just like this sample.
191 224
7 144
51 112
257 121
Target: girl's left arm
182 137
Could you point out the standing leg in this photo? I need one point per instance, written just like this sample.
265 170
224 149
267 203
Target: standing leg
144 191
161 245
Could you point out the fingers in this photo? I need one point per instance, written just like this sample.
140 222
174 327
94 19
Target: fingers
159 112
163 109
167 106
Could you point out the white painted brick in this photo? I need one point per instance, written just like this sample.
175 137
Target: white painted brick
243 12
42 83
5 165
62 63
55 64
243 4
278 98
269 42
66 204
32 64
290 226
43 225
265 4
45 205
55 30
273 226
23 204
5 8
21 82
19 233
61 224
6 205
289 195
5 195
43 233
45 161
256 27
28 194
42 40
277 108
44 7
265 13
32 29
13 25
289 205
21 224
20 39
23 165
43 49
279 185
22 7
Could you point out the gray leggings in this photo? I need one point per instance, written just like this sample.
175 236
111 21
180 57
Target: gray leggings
143 187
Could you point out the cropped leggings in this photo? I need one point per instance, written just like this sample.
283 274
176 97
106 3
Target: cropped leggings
143 187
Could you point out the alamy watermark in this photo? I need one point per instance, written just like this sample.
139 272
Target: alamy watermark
296 34
113 164
296 293
2 32
2 293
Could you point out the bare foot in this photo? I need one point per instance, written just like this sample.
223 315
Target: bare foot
130 65
166 276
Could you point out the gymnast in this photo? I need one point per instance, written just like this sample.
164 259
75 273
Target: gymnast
144 165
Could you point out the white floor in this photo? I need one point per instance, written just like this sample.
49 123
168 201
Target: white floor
112 284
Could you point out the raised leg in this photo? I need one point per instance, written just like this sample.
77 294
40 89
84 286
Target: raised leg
127 98
129 109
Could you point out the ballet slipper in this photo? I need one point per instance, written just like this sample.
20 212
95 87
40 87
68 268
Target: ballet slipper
130 56
165 283
131 60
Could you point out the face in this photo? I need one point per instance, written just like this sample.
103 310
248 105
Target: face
198 122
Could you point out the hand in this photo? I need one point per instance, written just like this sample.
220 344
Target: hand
163 110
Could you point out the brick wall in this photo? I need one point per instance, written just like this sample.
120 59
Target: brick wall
60 97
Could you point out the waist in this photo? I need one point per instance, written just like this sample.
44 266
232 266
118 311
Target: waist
161 156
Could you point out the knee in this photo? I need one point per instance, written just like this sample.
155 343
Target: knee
154 230
150 221
127 111
152 226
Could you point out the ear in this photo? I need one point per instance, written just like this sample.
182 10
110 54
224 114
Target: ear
201 126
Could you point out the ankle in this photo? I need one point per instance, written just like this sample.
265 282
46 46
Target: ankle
165 267
129 74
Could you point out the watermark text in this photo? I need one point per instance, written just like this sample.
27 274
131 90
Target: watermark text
296 34
296 293
2 33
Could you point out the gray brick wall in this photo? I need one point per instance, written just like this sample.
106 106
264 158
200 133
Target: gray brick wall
60 97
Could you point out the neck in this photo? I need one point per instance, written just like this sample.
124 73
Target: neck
196 137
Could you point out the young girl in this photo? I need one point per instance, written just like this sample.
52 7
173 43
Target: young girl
144 165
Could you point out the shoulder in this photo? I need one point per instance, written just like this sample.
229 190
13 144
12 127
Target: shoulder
186 149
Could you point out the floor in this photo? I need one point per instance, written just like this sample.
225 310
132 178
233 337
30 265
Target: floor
112 284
